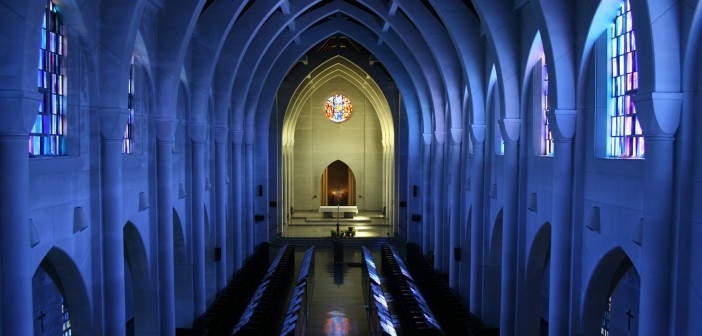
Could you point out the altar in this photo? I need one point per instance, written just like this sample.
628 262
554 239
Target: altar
328 211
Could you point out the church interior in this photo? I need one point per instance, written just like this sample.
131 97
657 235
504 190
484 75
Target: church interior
351 167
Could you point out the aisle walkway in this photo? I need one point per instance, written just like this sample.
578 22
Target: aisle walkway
337 306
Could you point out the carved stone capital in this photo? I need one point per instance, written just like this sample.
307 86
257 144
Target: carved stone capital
562 123
659 112
113 122
19 111
478 133
237 136
510 129
165 129
220 134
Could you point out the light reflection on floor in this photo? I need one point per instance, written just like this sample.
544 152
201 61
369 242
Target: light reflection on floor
337 324
337 306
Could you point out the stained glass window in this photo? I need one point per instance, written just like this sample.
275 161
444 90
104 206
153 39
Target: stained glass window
338 108
604 328
47 136
546 128
128 139
626 137
65 321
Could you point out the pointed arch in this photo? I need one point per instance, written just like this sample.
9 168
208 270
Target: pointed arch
144 305
493 275
70 282
179 255
537 264
604 278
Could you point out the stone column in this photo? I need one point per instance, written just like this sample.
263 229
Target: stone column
249 193
165 137
197 134
660 118
454 204
112 123
437 201
563 130
426 194
476 224
19 112
237 180
220 186
510 178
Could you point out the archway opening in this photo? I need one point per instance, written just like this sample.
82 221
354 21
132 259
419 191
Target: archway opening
140 299
536 297
493 276
51 314
60 299
611 302
338 184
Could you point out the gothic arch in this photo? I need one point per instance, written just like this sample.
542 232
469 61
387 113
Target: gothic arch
605 276
144 301
179 255
67 277
493 276
537 263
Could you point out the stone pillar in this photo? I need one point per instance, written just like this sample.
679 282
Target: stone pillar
19 112
563 130
220 186
510 134
426 194
454 204
437 201
249 193
112 123
476 233
660 117
237 200
197 134
165 137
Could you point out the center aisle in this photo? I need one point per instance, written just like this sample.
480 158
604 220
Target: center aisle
337 306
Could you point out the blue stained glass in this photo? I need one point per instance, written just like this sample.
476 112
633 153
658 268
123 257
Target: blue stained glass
626 138
50 126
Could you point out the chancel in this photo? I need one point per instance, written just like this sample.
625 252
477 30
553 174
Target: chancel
474 167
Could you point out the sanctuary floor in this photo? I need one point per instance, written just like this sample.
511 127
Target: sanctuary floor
312 224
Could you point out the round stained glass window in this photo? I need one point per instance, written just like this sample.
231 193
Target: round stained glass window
338 108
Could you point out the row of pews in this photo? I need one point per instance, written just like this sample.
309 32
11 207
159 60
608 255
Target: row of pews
379 319
453 316
232 300
263 304
295 322
416 318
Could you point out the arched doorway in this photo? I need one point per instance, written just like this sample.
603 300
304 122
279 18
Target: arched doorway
535 299
338 184
493 276
141 311
60 299
611 304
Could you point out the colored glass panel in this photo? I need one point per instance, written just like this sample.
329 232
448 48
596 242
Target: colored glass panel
338 108
546 135
47 136
625 135
128 138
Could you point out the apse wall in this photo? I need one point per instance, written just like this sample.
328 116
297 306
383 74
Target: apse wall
356 142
